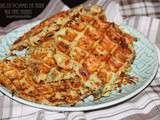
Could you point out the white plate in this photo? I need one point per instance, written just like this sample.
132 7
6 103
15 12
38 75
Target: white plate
145 67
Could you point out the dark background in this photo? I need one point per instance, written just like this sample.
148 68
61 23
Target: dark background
73 3
11 10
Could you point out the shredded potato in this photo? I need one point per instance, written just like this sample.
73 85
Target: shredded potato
69 56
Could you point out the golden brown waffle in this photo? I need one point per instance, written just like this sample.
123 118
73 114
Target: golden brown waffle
69 56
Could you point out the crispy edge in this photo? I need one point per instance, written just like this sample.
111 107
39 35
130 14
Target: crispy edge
21 43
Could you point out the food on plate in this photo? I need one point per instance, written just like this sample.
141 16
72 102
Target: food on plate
69 56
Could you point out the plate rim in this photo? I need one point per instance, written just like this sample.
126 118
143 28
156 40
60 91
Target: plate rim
91 107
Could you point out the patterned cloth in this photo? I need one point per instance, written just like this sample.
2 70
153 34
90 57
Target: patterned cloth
140 8
145 106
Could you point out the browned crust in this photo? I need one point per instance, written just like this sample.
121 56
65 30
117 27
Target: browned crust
48 73
40 26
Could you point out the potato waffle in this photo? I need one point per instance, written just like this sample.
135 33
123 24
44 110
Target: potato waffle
69 56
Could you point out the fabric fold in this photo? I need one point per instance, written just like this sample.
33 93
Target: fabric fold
131 8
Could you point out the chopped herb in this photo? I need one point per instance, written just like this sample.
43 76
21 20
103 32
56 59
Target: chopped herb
49 35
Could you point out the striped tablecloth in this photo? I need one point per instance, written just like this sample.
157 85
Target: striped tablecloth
145 106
